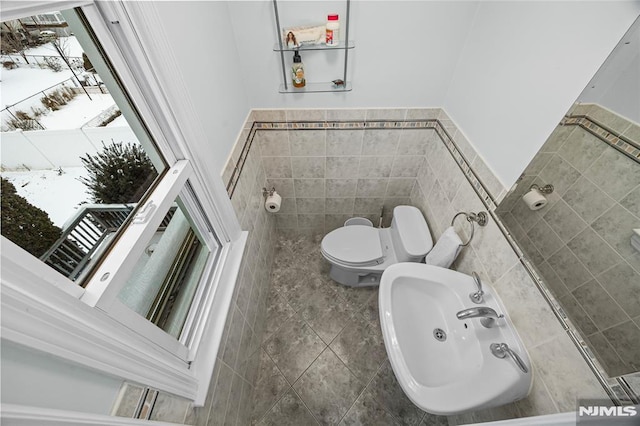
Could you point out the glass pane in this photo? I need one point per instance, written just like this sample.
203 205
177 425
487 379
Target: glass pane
165 280
73 168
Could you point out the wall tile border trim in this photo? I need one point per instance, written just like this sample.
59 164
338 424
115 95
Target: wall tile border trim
479 187
242 159
435 124
612 138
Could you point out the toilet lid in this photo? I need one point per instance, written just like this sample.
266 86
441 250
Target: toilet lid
355 244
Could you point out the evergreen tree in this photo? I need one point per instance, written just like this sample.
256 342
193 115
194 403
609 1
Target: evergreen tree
25 224
119 174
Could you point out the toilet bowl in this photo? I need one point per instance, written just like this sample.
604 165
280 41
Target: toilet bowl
359 254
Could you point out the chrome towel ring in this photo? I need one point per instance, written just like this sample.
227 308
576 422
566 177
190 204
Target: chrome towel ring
481 218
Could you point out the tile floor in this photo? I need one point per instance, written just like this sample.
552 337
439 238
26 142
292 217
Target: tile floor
323 360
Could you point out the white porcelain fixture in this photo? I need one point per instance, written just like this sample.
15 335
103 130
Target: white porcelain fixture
359 254
445 365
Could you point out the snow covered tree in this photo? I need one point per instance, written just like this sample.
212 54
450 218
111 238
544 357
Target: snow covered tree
13 41
25 224
121 173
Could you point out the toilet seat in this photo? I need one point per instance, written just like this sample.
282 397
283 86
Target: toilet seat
355 245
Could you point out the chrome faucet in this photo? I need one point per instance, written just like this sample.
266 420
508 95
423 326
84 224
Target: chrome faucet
477 296
501 350
488 315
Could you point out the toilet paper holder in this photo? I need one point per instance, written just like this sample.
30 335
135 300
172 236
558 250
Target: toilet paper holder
546 189
268 192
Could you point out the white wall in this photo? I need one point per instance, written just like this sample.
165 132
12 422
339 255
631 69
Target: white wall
624 95
405 54
200 37
522 67
617 84
506 72
36 379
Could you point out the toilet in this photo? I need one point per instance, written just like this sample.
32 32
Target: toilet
359 254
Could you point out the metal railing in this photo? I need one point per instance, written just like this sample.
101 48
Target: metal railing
84 235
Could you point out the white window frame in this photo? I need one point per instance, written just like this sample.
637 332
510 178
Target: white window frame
112 274
20 415
45 311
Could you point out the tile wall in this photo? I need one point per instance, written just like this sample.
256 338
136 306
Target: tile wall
580 241
353 164
443 188
235 374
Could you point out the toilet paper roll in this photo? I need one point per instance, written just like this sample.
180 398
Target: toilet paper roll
273 202
534 199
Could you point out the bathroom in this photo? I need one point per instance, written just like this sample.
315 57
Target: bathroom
473 90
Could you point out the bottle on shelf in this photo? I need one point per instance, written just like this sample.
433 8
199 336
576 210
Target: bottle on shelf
297 71
333 30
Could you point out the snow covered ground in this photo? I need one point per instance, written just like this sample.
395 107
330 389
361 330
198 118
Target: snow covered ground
77 112
119 122
20 83
23 82
58 195
69 45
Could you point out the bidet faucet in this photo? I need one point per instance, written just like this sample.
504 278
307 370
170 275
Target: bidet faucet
501 350
477 296
488 315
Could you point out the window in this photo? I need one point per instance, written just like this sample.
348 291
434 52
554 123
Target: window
132 243
138 287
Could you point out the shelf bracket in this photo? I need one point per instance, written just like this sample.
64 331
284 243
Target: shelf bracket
346 37
284 72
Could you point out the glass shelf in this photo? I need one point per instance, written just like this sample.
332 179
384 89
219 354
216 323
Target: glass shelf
316 88
342 46
320 87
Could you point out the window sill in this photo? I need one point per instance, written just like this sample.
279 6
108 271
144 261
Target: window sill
203 364
46 319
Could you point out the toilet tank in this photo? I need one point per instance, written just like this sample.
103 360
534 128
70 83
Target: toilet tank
410 234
